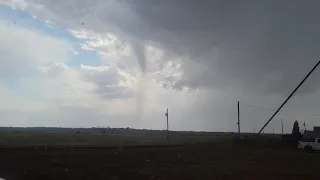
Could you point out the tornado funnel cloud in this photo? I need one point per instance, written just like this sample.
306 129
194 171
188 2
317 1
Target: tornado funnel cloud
139 50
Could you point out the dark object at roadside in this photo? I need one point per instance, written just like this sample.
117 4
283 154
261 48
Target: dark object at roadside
291 140
296 130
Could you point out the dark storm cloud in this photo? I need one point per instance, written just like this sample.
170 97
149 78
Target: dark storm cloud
232 50
263 46
257 45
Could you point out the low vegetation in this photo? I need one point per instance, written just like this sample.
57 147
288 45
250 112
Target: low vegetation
148 155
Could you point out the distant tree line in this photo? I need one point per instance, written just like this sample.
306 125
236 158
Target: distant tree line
93 130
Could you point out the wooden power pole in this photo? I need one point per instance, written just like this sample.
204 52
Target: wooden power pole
167 114
238 119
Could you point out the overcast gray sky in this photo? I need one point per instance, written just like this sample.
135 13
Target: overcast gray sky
121 63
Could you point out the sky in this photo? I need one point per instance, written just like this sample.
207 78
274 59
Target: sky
122 63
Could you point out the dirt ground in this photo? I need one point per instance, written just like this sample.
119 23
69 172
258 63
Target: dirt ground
202 161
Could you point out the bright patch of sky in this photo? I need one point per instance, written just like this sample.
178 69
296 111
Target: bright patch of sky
26 20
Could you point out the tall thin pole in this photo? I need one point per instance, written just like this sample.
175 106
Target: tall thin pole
167 114
294 91
238 119
281 126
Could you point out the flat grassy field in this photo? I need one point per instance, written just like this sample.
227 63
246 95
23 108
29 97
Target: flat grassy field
185 157
106 140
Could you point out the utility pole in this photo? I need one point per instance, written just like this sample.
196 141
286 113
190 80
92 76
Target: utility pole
281 126
264 126
167 114
238 119
305 128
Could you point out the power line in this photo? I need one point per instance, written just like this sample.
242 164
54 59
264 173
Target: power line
258 107
272 110
312 114
274 114
289 97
